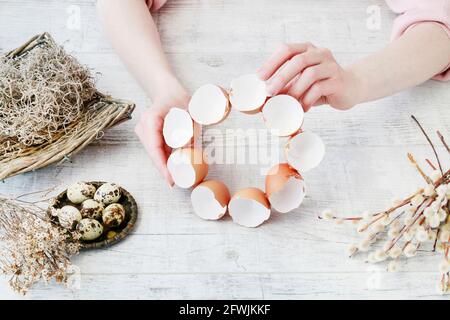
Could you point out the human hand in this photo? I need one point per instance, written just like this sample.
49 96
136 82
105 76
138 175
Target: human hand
311 75
155 5
149 130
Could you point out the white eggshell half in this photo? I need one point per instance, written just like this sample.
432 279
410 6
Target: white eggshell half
181 169
248 93
283 115
290 197
178 128
209 105
248 212
305 151
205 204
187 167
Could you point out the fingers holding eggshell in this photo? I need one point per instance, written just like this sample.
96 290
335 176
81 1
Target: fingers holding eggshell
283 115
178 128
248 93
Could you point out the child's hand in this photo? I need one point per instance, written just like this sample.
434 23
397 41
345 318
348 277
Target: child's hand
311 75
149 131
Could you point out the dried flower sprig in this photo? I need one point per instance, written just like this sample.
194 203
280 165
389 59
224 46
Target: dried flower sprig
410 223
32 247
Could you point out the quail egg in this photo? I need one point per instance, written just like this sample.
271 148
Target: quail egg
90 229
79 192
91 209
107 193
68 217
113 215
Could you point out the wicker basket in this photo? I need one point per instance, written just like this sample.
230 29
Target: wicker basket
103 112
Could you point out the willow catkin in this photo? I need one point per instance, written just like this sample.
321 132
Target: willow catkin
42 93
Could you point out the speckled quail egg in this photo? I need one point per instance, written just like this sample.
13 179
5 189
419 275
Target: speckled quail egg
68 216
80 191
90 229
107 193
91 209
113 215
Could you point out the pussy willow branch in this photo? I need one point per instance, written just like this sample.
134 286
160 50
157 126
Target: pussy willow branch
443 141
430 142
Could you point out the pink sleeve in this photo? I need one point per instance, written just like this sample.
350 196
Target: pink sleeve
412 12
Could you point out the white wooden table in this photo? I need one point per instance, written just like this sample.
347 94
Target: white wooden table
172 253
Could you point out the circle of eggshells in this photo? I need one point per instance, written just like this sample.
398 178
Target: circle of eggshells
284 185
92 211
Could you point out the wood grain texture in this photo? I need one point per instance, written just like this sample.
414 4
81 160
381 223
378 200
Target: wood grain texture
172 253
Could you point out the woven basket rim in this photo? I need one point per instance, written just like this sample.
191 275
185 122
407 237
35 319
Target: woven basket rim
107 111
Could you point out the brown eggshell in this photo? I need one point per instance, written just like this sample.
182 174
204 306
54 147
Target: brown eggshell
253 194
277 177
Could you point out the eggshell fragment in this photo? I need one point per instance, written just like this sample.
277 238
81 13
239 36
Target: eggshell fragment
178 128
285 188
249 207
304 151
187 167
210 199
209 105
283 115
248 93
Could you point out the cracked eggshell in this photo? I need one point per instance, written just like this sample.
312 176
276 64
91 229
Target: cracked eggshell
91 208
178 128
68 217
90 229
210 199
283 115
80 191
248 93
209 105
249 207
187 166
107 193
285 188
304 151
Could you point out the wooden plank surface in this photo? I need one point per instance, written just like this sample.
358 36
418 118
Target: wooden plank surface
172 253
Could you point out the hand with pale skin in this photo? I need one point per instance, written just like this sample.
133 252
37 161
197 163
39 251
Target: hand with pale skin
312 75
309 74
149 130
139 46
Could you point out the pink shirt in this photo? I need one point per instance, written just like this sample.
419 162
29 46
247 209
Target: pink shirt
411 12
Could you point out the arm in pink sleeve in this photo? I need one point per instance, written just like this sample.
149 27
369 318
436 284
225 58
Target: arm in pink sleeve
413 12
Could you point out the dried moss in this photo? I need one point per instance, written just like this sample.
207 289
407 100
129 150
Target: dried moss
42 93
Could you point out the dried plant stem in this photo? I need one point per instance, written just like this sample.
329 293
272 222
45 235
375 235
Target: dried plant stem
443 141
430 164
430 142
419 169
